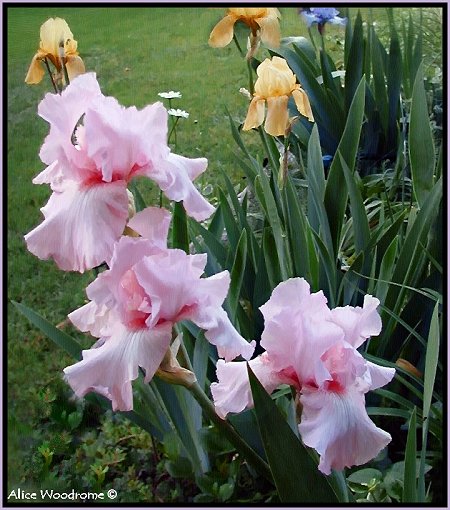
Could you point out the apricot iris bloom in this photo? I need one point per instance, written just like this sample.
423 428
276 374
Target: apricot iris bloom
55 34
275 83
262 21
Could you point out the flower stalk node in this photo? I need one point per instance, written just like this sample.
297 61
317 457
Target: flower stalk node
171 371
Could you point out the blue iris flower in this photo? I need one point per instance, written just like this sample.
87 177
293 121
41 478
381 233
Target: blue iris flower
327 159
322 15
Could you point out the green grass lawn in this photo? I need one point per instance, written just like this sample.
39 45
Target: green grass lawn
136 53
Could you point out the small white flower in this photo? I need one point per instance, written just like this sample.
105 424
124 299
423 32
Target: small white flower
170 95
178 113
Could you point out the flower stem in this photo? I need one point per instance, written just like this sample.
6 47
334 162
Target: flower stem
238 45
263 135
51 76
282 175
66 74
251 86
184 356
225 427
173 123
312 38
172 130
62 56
230 433
322 38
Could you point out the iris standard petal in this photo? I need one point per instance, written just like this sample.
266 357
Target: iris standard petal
173 177
121 141
169 279
358 323
62 112
275 78
297 327
107 288
293 293
54 32
270 29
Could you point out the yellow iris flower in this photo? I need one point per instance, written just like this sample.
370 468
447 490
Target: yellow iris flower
55 35
275 83
263 22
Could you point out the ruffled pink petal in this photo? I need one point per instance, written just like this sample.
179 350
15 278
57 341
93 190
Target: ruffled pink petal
232 393
65 109
170 280
378 376
96 319
221 333
153 224
194 167
107 289
174 176
122 141
209 315
337 426
110 368
213 290
297 328
62 112
292 292
53 175
81 225
344 364
359 323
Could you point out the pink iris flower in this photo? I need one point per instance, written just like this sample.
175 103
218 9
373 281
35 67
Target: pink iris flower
94 148
135 304
314 349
